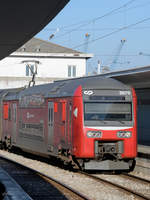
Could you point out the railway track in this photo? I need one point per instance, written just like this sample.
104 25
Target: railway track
143 165
133 177
101 189
130 189
38 185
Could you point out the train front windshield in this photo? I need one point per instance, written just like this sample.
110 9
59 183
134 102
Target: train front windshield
107 112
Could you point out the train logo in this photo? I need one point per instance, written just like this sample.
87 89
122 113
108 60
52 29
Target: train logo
88 92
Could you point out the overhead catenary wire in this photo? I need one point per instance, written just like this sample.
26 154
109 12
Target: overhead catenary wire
91 20
97 18
116 31
87 22
112 28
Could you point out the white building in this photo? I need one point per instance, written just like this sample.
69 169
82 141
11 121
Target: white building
52 61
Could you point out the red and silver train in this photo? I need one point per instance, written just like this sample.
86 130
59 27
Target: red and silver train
89 122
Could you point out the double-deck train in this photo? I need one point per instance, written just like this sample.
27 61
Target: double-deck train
89 122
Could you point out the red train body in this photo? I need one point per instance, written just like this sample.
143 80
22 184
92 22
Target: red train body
90 122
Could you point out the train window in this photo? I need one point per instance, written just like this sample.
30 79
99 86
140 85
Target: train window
70 111
108 111
9 114
70 118
14 112
6 111
63 111
49 114
55 107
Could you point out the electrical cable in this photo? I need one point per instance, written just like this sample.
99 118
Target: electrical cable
111 33
97 18
94 19
113 28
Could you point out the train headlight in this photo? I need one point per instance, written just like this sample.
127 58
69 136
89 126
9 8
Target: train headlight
124 134
94 134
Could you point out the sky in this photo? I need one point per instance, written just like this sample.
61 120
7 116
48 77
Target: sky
98 26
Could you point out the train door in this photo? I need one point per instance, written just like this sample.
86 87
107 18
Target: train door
50 125
69 123
66 119
14 122
66 125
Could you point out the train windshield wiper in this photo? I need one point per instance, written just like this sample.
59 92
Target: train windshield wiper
101 120
120 121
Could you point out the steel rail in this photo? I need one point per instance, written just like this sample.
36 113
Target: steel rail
122 188
132 177
75 192
50 180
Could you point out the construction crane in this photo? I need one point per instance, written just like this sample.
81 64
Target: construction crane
87 37
144 54
114 62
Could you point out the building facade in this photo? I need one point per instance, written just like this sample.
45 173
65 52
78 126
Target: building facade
46 60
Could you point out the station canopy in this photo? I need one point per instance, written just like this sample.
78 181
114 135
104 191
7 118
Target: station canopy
138 77
20 20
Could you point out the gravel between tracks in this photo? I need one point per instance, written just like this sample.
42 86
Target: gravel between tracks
85 185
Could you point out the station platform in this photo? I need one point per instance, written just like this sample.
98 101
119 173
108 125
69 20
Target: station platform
12 190
144 151
143 160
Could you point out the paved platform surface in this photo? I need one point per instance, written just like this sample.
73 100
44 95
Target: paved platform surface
13 190
144 149
143 160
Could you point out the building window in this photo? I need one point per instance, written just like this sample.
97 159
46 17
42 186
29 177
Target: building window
74 71
29 70
71 71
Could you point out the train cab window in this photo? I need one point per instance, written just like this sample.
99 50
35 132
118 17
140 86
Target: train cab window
107 111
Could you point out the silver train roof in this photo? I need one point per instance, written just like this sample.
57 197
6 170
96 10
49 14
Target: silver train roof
65 88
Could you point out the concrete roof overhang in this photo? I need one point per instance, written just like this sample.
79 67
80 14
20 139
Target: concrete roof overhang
20 20
136 77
